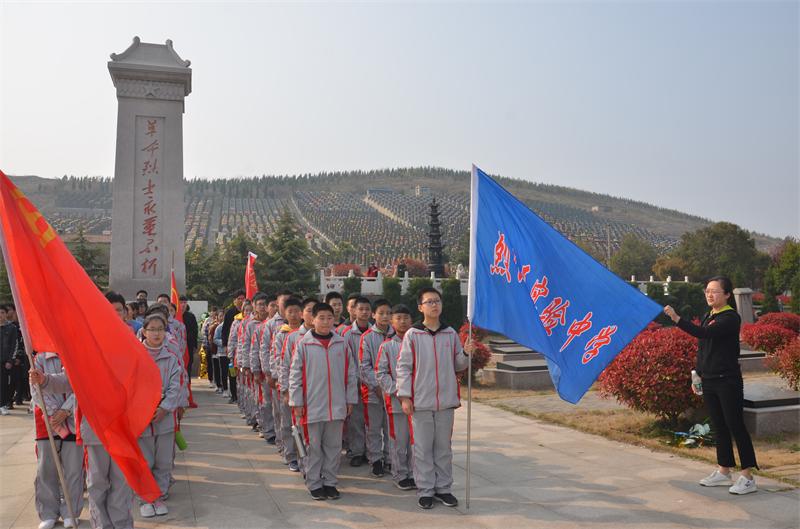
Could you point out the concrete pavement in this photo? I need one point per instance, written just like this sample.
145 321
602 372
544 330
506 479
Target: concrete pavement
524 474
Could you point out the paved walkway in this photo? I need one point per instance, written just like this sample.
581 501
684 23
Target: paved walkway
525 474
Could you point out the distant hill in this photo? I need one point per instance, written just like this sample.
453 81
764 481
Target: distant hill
382 214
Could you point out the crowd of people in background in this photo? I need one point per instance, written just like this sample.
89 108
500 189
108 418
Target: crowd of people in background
15 390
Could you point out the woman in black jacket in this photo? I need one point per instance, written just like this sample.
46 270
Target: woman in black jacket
723 388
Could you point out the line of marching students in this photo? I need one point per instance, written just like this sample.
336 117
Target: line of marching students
317 386
85 461
309 381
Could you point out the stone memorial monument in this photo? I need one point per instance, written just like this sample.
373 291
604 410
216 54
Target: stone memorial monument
147 234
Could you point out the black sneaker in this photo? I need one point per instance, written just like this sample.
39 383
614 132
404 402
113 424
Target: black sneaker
377 469
319 494
357 461
406 484
448 499
425 502
271 440
331 493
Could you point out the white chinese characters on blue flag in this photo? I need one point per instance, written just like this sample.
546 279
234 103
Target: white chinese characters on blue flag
532 284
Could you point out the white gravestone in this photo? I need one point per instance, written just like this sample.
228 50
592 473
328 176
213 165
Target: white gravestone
147 234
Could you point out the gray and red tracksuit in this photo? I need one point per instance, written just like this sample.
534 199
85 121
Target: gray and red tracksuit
426 373
244 387
275 323
356 426
110 496
322 380
47 488
284 360
255 344
400 431
377 433
157 441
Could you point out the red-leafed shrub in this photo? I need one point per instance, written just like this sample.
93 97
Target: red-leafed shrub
482 353
786 320
766 337
653 374
342 269
416 268
786 363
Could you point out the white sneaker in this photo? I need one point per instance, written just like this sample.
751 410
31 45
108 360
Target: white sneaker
45 524
717 479
161 508
69 522
4 411
743 486
226 393
147 510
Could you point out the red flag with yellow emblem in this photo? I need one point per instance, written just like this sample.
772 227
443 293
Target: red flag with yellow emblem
116 383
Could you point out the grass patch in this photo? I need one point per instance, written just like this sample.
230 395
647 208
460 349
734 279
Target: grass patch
641 429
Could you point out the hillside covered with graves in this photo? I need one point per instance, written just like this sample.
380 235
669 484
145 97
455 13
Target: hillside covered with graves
364 216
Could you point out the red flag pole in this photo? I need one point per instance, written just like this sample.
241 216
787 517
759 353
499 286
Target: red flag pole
37 393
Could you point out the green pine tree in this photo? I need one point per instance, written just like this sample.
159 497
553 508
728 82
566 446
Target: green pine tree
289 262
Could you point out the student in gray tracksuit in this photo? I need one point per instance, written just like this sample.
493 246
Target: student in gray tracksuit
59 411
157 441
402 455
377 433
256 336
110 496
293 313
242 363
430 357
322 391
356 426
285 363
275 323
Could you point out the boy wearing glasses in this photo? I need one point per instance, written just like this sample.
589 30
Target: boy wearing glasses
430 356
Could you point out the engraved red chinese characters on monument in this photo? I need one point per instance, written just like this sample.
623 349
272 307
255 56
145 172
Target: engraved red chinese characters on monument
147 235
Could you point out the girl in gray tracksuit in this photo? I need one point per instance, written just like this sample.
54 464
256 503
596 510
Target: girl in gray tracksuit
157 441
110 496
47 488
426 374
323 381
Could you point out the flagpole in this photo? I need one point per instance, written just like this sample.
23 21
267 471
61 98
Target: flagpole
469 411
473 233
37 393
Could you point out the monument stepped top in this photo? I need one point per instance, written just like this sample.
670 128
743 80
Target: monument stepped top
153 62
148 54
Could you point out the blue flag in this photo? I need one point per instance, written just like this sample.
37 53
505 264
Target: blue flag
532 284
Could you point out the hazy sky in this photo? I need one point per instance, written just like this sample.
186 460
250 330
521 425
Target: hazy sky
687 105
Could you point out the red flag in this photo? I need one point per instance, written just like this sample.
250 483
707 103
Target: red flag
175 298
116 383
250 285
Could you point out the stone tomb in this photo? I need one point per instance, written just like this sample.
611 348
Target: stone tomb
770 408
